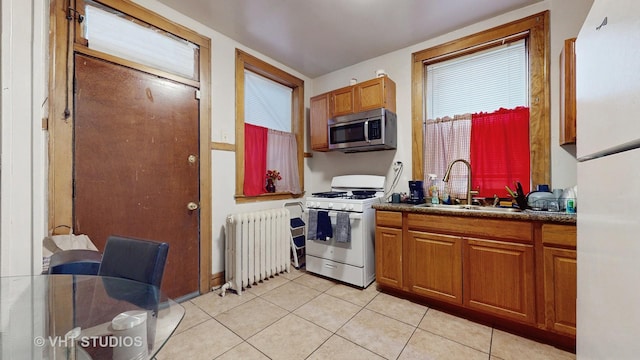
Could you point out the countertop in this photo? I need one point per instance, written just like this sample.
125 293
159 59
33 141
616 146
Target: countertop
530 215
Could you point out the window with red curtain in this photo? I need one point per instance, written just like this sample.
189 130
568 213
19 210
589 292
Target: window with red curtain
500 151
255 159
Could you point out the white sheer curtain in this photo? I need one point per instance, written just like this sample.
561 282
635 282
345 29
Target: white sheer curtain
282 150
448 139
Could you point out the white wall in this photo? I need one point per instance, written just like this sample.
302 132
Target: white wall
566 19
23 150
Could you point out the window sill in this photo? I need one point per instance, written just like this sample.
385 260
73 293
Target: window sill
267 197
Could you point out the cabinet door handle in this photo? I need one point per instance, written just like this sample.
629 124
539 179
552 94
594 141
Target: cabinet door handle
604 22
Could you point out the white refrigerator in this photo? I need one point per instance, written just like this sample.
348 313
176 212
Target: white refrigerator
608 177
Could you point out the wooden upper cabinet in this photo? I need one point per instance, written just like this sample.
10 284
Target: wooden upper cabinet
368 95
342 102
375 93
568 93
318 116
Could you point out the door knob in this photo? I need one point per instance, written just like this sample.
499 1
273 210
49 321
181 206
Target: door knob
192 206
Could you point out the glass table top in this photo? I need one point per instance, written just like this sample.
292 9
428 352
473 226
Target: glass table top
83 317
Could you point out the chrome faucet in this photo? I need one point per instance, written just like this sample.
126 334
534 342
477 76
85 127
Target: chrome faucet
447 174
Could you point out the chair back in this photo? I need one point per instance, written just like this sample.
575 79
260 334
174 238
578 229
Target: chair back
134 259
75 261
138 260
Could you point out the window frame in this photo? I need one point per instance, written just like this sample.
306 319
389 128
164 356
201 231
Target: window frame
244 61
536 29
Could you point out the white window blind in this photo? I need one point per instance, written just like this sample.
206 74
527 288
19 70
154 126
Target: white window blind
266 102
114 34
480 82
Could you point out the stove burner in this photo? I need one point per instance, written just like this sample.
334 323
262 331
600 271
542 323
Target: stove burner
330 194
361 196
356 195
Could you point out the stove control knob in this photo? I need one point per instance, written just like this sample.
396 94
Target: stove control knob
344 207
351 207
330 206
309 204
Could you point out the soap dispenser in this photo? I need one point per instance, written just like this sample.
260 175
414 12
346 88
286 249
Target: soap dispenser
433 189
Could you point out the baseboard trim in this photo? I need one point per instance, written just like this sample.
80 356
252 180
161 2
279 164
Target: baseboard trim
216 280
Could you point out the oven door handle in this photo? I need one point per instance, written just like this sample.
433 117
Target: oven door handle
352 215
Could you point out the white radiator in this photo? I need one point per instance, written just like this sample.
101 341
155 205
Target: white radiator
257 247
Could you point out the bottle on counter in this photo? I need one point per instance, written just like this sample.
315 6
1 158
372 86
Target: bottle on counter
433 189
446 198
571 206
434 196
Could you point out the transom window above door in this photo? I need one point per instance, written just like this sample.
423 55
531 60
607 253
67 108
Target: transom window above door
112 32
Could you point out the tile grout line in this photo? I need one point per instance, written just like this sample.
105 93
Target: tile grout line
415 328
491 342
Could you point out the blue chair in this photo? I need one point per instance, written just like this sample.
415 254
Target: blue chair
134 259
75 262
137 260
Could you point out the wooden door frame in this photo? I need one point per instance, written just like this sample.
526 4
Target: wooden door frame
60 125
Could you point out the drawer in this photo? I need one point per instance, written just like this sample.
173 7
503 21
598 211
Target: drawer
562 235
389 218
347 273
521 231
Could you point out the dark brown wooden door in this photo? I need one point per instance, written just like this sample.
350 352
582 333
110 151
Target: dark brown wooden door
136 163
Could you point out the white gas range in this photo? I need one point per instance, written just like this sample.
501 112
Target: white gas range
351 260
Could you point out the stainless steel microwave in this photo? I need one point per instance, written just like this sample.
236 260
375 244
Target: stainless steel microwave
364 131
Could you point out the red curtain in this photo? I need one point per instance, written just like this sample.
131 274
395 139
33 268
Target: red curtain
500 151
255 159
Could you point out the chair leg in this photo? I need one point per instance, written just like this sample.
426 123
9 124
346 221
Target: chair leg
294 253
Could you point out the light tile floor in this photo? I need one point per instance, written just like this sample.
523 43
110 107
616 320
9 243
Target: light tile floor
298 315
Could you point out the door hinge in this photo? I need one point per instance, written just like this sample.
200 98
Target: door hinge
73 188
198 94
45 123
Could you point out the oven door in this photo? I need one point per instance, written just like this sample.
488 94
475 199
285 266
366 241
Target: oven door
352 252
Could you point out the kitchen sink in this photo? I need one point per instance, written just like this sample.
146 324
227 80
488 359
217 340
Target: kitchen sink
469 207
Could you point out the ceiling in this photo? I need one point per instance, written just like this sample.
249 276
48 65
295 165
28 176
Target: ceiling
315 37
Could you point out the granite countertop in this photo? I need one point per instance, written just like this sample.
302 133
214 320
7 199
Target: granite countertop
529 215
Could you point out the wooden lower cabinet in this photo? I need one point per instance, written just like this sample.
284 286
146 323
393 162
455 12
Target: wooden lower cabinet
560 277
435 266
389 256
513 271
389 247
560 280
499 278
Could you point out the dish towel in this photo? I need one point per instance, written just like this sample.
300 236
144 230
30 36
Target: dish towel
343 227
313 224
324 230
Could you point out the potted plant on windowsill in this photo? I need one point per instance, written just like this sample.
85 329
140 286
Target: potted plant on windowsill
272 176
